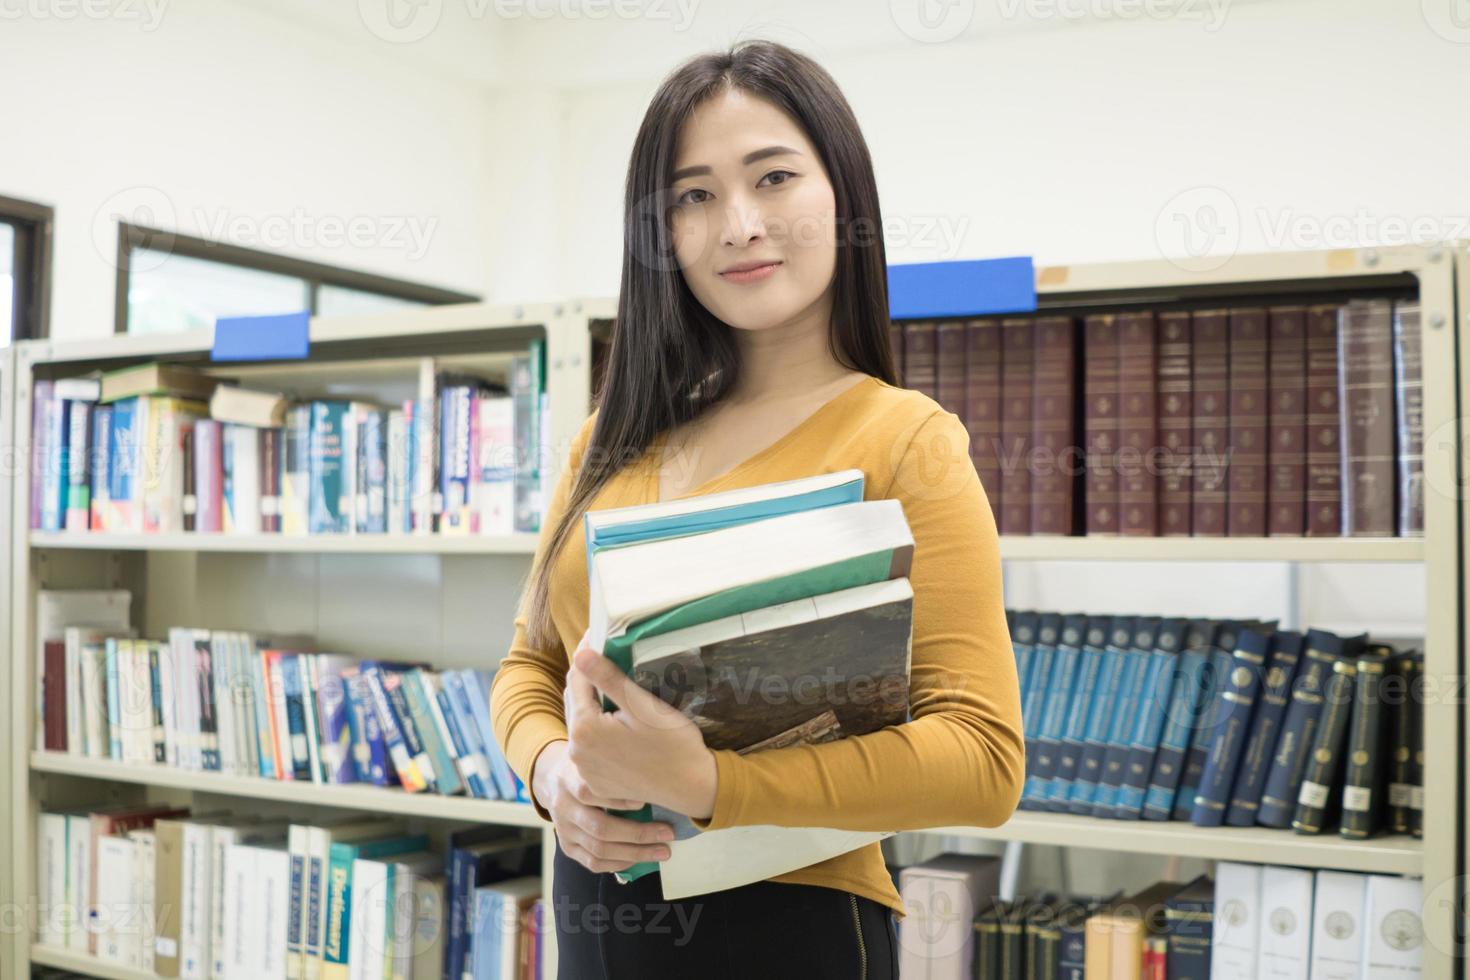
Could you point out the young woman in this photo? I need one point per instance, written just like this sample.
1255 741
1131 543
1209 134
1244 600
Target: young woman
752 346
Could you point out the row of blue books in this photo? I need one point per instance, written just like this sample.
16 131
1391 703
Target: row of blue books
1218 722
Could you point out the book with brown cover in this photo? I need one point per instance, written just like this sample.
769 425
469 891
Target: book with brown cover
1017 343
1324 436
1100 421
1211 376
1286 459
895 344
1365 359
982 405
1409 395
950 367
920 370
1053 431
1138 420
1176 424
1245 496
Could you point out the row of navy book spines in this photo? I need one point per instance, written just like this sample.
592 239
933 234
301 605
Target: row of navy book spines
156 464
1253 921
226 701
1219 722
1253 420
215 896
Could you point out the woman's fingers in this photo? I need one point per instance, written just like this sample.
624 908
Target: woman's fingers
604 826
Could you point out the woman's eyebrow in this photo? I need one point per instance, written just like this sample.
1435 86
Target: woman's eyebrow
749 158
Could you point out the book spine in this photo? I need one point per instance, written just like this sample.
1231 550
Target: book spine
1255 761
409 773
78 490
1036 693
1202 736
1176 423
920 369
1100 421
270 480
1058 696
1408 358
1245 492
1089 766
1146 735
1138 421
1365 365
1211 463
42 392
370 753
1325 758
1232 723
1071 744
329 510
414 689
1400 776
1017 392
1298 731
1286 455
982 404
949 388
1324 435
1362 797
1052 432
101 460
1138 677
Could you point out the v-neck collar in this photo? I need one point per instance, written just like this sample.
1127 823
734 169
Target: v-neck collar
657 447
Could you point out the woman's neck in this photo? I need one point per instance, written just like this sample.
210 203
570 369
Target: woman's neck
791 360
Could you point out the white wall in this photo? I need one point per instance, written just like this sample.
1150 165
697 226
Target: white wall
218 117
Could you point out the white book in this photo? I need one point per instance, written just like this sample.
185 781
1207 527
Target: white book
1285 943
79 881
118 928
222 837
242 503
1393 937
497 465
306 669
255 943
368 934
1236 929
404 874
943 896
75 737
168 702
220 661
274 904
1337 926
196 886
239 894
397 480
286 769
51 880
354 500
94 700
138 710
147 879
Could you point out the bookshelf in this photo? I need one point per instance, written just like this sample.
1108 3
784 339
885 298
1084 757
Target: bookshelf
470 584
433 597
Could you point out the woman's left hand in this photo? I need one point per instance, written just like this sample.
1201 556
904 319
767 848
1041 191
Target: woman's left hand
645 750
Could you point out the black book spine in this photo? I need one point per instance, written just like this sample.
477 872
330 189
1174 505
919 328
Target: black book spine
1400 777
1416 789
1362 799
1326 754
1250 779
1298 730
1203 736
1232 724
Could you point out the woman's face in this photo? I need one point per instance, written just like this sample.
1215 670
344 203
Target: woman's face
749 190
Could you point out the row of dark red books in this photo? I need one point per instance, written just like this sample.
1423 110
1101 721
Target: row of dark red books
1287 420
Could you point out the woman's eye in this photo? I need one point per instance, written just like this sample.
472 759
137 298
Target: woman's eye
684 198
785 174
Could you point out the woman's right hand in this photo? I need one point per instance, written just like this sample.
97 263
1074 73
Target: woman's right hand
593 838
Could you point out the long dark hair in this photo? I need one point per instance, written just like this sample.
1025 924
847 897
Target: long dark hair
670 358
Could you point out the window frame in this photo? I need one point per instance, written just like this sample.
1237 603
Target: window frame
34 226
313 274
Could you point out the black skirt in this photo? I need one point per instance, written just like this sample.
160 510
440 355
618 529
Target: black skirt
766 930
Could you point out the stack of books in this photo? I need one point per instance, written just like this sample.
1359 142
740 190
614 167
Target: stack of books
159 448
164 891
1220 722
249 704
1246 420
771 615
1251 921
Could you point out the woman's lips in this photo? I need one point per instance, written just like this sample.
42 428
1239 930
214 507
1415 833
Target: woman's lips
751 275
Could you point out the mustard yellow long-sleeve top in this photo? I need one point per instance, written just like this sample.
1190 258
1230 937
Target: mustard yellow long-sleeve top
958 761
